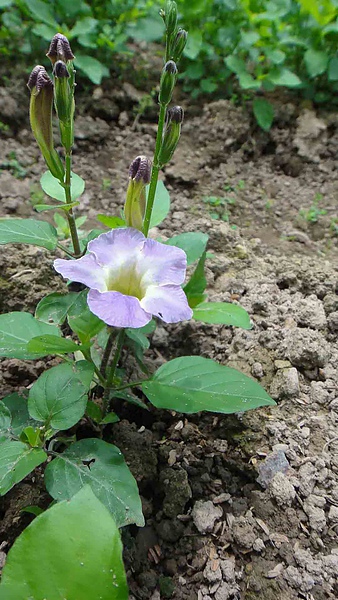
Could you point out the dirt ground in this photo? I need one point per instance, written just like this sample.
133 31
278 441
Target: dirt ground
236 507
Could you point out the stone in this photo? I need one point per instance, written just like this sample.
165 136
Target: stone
333 514
177 491
243 533
309 312
332 321
285 384
282 490
228 569
205 515
274 463
307 348
319 393
212 572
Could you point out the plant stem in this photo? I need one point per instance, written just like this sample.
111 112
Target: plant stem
131 385
86 354
155 170
107 352
112 369
65 250
70 215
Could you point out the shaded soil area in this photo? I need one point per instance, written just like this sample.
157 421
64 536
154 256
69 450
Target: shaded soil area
236 507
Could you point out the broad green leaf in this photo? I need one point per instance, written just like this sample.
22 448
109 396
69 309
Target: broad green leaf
110 418
94 69
5 421
17 460
149 29
17 405
51 344
52 187
82 321
161 205
94 411
193 244
276 56
42 12
333 69
59 397
102 466
193 383
284 77
28 231
196 285
194 44
33 510
17 329
235 64
247 82
222 313
112 222
83 26
264 113
72 550
45 31
316 62
54 307
31 436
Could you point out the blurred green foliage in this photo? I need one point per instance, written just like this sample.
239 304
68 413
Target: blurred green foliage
251 46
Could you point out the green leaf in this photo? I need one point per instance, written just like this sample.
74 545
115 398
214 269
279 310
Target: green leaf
102 466
41 11
59 397
92 68
17 405
45 31
51 344
222 313
149 29
82 321
28 231
196 285
316 62
284 77
54 307
247 82
17 329
333 69
193 244
72 550
131 398
276 56
52 187
5 421
17 460
112 222
264 113
110 418
193 383
44 207
161 205
83 26
94 411
194 44
235 64
33 510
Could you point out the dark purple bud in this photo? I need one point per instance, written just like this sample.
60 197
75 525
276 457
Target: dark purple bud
140 169
170 67
39 79
176 114
60 69
60 49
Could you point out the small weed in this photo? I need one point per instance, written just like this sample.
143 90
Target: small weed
314 212
3 127
334 226
13 165
106 184
37 195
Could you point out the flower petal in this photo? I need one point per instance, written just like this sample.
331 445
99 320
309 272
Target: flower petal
117 309
160 264
168 302
117 247
83 270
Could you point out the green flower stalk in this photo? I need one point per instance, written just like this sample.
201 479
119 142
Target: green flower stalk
135 205
41 105
171 135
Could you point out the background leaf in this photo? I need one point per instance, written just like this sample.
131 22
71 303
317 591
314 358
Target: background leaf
17 460
28 231
316 62
223 313
193 244
82 321
102 466
193 383
52 187
17 405
54 307
17 329
161 205
264 113
59 397
197 283
51 344
93 68
73 550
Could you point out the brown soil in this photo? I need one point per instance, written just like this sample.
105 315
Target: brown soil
236 507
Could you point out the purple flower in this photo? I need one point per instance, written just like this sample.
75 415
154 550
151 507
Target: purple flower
131 278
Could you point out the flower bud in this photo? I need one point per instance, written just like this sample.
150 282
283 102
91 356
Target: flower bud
167 83
172 132
41 104
64 102
60 49
178 44
171 17
135 204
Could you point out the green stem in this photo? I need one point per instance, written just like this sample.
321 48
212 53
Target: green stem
86 354
131 384
65 250
112 369
70 215
107 352
155 170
